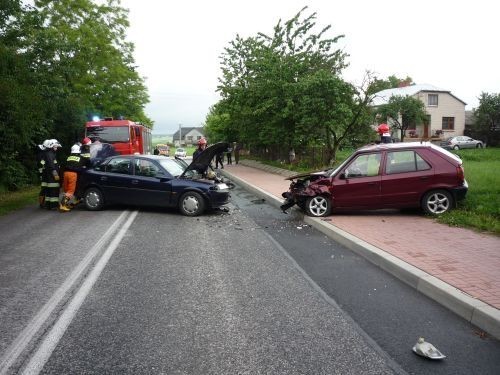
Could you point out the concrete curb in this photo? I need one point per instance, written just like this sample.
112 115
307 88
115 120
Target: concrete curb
471 309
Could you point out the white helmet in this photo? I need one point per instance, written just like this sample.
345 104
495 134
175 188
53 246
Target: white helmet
46 143
75 149
53 143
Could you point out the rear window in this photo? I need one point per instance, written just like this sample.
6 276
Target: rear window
405 161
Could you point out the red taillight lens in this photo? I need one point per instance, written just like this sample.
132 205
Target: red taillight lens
460 173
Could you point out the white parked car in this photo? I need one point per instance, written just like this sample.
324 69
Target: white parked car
180 152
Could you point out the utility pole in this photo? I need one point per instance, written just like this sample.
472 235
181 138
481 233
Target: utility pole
180 135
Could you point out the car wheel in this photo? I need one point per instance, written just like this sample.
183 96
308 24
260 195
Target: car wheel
437 202
479 145
191 204
456 147
93 199
318 206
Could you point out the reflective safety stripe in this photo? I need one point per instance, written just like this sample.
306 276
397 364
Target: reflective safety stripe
51 199
53 184
43 184
73 158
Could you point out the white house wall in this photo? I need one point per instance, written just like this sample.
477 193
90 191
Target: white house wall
448 106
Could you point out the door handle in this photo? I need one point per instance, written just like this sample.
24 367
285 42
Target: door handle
104 178
135 182
424 177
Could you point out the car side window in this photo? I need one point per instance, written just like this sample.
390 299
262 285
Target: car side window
364 166
145 168
404 161
118 165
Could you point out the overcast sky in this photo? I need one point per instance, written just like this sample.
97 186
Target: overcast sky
449 44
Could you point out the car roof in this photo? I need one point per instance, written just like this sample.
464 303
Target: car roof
396 146
407 146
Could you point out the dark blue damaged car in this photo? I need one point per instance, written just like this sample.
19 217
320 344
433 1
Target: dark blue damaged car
155 181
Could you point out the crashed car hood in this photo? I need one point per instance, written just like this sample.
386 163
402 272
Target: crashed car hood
307 174
201 163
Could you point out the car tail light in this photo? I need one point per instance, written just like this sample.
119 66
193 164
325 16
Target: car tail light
460 173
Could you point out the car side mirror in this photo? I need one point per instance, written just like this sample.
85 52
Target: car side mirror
346 174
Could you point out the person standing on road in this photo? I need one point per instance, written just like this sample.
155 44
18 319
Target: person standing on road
51 175
202 145
74 165
85 150
219 157
41 150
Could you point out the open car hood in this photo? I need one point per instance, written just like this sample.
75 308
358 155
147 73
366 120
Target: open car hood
202 161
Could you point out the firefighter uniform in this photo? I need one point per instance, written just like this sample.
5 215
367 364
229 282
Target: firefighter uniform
74 165
40 163
51 176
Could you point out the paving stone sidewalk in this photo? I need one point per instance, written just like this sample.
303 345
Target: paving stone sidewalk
466 260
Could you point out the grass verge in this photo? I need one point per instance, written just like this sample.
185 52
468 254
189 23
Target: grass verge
481 208
10 201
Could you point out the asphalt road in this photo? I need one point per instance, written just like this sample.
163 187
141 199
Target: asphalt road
172 294
250 291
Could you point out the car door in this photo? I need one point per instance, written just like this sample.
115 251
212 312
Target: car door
114 179
468 142
151 185
407 175
358 184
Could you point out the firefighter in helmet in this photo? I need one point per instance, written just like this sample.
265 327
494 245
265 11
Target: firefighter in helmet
51 175
202 145
385 133
41 150
85 149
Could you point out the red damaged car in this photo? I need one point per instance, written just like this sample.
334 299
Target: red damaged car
393 175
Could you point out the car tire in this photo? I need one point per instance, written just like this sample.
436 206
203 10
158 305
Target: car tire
318 206
93 199
437 202
479 145
191 204
456 147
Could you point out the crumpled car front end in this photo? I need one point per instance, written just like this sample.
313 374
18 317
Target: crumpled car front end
304 190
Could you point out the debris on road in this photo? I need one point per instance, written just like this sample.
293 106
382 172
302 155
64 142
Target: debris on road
426 349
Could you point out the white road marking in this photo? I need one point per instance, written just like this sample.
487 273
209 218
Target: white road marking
51 340
28 333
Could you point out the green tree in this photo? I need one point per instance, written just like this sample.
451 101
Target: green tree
403 111
22 109
487 119
285 91
60 62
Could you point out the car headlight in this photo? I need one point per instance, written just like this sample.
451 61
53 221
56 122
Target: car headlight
222 187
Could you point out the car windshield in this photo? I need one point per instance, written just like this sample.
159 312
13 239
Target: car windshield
109 134
180 150
332 172
172 167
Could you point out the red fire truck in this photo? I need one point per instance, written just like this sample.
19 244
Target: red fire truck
126 137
